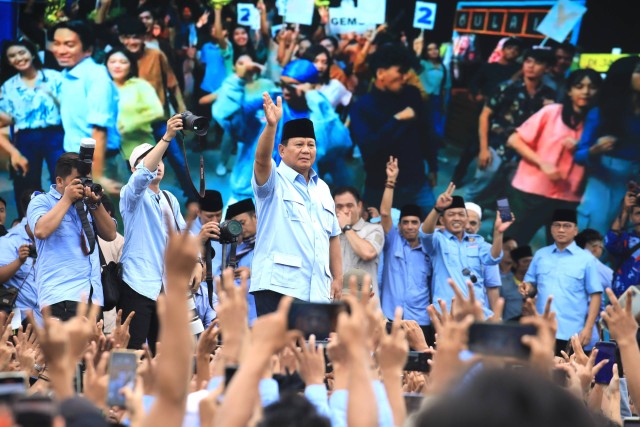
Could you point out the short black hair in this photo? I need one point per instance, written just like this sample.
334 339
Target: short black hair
65 164
512 41
570 48
540 54
391 55
82 29
108 205
588 235
347 189
292 410
130 26
133 62
3 201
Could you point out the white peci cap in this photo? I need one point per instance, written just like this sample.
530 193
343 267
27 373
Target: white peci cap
470 206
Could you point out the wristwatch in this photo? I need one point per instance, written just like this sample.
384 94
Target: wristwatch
346 228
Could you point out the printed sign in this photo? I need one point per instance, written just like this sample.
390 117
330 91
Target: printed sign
299 12
347 19
249 15
561 19
425 15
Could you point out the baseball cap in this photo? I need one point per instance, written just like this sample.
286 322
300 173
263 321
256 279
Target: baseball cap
140 152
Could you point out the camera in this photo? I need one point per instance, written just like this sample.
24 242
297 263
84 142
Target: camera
230 230
85 161
32 251
198 124
195 323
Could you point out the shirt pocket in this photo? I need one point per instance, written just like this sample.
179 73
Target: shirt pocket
328 216
286 270
473 261
66 227
294 209
574 278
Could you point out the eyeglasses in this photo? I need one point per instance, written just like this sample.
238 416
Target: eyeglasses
467 273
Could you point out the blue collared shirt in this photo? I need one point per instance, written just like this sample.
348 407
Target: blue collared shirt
296 219
33 107
63 271
405 276
450 257
88 98
216 261
339 400
146 232
571 277
24 280
204 310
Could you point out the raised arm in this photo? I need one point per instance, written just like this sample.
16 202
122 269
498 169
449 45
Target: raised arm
262 163
444 201
498 233
387 197
217 27
484 158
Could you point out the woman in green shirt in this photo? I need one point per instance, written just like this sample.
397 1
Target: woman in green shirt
138 105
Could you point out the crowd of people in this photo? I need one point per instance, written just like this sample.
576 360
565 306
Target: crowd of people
330 145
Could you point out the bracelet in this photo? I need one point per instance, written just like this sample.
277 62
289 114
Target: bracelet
162 138
389 186
439 211
44 378
94 206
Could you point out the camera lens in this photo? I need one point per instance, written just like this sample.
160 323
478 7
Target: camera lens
230 231
198 124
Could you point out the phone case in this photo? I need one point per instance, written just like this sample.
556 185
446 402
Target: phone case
606 350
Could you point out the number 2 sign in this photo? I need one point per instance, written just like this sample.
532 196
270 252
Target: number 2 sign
425 15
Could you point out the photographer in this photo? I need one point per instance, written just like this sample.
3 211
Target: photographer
207 225
66 271
147 211
17 263
624 244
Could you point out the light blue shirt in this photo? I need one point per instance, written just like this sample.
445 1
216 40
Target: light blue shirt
24 280
296 219
146 232
216 261
450 257
571 277
338 402
405 279
88 98
63 271
204 310
33 107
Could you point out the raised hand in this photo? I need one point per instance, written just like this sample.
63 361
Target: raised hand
272 112
121 334
394 347
464 306
392 169
620 321
445 199
501 226
311 363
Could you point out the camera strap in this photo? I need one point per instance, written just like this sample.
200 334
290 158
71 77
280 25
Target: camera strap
180 138
175 221
209 254
86 227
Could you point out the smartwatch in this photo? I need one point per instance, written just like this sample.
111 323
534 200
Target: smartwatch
346 228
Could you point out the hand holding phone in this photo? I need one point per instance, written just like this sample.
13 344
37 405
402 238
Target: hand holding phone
606 350
122 373
418 361
504 210
500 339
319 319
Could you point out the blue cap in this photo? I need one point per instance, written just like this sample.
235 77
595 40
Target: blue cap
301 70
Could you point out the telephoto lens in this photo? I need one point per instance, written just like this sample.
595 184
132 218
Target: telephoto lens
195 323
198 124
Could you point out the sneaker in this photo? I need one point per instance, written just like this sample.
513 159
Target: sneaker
221 169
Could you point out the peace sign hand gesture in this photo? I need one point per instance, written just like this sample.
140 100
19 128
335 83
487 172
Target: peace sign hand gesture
446 198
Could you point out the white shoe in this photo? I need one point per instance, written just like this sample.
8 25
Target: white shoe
221 169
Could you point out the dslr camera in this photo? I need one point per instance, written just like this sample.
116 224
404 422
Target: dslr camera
84 164
198 124
230 231
32 251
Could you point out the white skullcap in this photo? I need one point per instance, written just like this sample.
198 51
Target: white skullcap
470 206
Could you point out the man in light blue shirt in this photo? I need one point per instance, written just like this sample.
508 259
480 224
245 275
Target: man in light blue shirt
244 212
88 98
457 254
17 268
407 267
570 275
147 211
297 249
67 270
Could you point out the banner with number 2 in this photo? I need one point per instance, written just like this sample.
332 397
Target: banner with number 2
425 15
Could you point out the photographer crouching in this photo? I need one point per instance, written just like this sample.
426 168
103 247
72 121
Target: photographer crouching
64 222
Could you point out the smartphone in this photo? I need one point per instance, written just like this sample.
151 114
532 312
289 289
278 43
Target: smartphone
504 210
413 401
418 361
559 377
606 350
319 319
35 410
500 339
631 421
13 384
229 372
78 377
122 373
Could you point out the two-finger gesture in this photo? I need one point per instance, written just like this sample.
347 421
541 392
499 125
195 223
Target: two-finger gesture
445 199
392 169
272 112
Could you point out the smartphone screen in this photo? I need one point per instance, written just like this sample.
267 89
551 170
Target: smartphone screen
319 319
606 350
122 373
500 339
504 210
631 421
418 361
